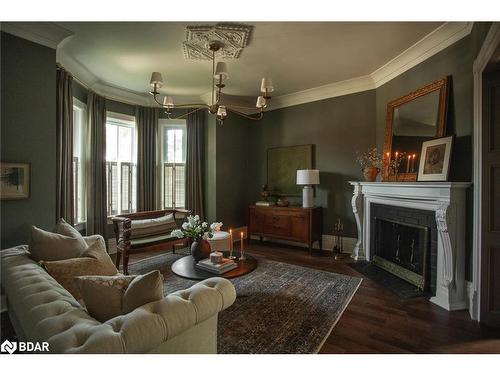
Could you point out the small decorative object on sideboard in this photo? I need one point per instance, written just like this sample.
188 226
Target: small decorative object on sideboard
435 160
198 232
265 195
371 162
15 180
338 239
282 202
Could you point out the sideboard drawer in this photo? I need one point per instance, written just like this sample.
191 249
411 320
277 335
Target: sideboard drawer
278 225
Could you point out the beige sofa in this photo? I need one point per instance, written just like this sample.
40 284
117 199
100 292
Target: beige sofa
42 310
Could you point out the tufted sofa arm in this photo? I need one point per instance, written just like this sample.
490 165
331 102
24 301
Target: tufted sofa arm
47 312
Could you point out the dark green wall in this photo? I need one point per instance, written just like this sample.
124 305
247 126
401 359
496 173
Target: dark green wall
337 127
28 133
455 61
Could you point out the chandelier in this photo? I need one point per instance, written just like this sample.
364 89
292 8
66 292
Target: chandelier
220 110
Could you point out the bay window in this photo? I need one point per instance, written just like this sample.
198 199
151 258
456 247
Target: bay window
121 163
173 152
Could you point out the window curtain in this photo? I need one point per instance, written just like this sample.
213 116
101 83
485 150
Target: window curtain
147 128
195 123
96 165
64 146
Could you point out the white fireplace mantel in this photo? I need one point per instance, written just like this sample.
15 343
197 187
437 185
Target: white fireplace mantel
447 200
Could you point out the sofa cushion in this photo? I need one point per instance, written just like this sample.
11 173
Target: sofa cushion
151 227
49 246
94 261
122 294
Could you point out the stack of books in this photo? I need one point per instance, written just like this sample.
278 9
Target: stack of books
264 203
225 266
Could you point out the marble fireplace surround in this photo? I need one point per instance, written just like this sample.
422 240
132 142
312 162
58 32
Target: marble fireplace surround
447 200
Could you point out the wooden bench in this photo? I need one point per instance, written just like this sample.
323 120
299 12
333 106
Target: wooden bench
126 244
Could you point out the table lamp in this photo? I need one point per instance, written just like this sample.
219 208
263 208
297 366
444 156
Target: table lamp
307 177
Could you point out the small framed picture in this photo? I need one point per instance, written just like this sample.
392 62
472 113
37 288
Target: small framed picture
15 179
435 159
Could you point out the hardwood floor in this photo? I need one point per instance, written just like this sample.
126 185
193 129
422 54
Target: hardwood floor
377 321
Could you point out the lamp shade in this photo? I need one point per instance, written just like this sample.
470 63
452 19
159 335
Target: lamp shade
266 85
222 111
221 71
307 177
156 79
261 102
168 102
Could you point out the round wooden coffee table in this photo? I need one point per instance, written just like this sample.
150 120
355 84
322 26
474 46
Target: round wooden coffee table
185 267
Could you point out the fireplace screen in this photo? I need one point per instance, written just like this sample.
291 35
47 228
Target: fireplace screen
401 249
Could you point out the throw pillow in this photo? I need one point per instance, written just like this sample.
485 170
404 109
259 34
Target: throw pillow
49 246
62 227
94 261
151 227
122 294
96 289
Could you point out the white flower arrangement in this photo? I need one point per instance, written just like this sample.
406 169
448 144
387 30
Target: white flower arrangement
196 230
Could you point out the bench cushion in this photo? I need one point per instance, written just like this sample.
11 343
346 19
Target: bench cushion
152 227
151 240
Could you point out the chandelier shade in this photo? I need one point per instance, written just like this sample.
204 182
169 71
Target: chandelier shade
221 71
156 79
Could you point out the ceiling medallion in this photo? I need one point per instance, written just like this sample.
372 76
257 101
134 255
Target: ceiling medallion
233 38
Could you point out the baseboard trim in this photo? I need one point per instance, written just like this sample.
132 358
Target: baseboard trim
328 241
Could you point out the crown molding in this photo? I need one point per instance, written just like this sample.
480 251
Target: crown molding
349 86
431 44
441 38
48 34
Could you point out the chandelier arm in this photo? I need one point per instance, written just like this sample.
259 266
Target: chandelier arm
198 105
259 116
186 114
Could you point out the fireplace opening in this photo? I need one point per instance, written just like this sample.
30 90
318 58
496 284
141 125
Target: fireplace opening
402 249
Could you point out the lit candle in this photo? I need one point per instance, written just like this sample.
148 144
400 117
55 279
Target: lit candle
413 163
242 257
396 166
388 162
408 164
231 240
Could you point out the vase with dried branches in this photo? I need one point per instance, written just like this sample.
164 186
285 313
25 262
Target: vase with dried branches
371 161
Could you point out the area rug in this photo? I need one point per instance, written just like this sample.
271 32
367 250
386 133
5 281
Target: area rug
280 308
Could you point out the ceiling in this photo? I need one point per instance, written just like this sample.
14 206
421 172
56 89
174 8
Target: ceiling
297 55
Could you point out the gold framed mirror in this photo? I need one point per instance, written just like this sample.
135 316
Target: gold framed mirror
412 119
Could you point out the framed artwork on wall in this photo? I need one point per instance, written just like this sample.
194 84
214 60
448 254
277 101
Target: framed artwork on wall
15 180
282 166
435 159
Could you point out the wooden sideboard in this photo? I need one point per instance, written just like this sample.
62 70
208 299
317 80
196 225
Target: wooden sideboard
295 224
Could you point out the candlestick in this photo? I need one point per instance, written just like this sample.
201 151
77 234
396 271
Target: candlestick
396 166
408 164
413 162
242 256
231 256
